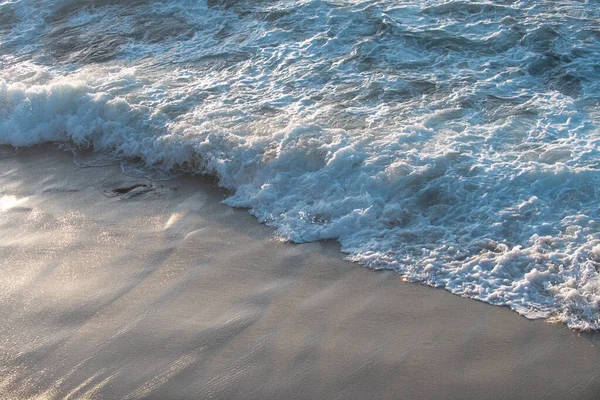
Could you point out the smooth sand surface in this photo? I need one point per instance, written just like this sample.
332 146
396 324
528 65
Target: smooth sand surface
162 292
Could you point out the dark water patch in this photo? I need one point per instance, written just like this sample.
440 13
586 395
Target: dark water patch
136 190
440 40
219 61
8 19
396 95
589 34
544 64
509 38
245 8
434 195
268 110
157 28
567 84
84 41
541 40
464 9
553 68
68 9
95 41
579 52
424 86
124 190
227 30
84 48
223 3
272 15
383 27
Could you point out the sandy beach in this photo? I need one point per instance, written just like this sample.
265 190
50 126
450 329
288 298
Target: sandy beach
114 287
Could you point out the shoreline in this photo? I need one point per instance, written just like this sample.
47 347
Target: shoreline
122 287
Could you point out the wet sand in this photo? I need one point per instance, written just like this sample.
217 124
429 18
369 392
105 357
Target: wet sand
117 287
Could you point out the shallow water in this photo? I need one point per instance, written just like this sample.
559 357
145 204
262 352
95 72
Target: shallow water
454 142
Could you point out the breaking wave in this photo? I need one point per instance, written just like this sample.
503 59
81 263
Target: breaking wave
454 142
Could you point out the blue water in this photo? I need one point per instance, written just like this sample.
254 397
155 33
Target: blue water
454 142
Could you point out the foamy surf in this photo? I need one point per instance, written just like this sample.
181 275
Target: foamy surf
453 142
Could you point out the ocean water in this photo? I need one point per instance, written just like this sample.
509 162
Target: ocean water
454 142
